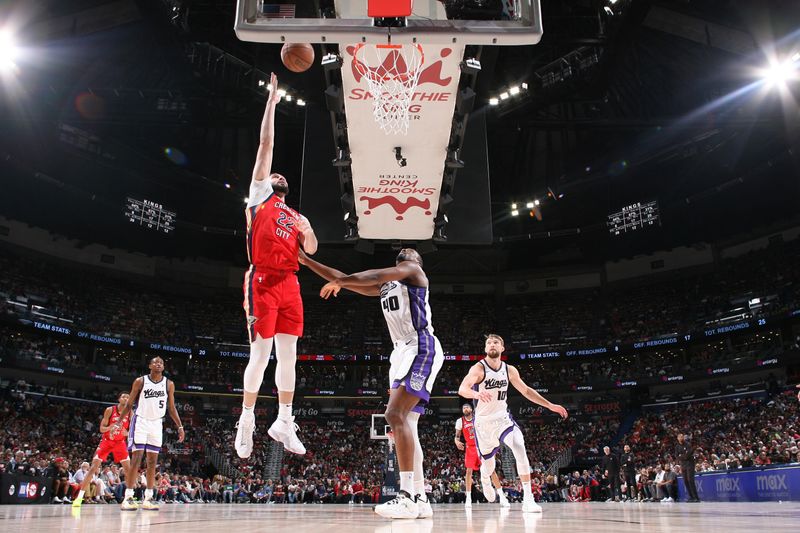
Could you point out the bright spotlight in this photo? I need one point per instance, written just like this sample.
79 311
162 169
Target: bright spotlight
779 73
536 202
503 96
514 213
529 205
246 199
8 51
494 101
514 90
513 206
301 102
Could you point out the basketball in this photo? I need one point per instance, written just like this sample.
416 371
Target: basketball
297 57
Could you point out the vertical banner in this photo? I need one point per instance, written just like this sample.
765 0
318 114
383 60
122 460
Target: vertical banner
394 201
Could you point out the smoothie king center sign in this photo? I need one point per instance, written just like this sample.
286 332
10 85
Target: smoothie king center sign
394 202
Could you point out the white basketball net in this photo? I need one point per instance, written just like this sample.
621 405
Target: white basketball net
392 72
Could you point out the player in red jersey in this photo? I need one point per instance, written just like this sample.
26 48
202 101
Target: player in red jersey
113 443
272 301
465 441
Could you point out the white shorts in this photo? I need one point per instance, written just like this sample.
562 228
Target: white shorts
145 434
490 431
415 364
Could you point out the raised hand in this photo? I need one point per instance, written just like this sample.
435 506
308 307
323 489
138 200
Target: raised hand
558 409
330 288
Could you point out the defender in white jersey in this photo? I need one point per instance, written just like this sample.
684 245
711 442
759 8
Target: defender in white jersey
153 395
415 361
487 385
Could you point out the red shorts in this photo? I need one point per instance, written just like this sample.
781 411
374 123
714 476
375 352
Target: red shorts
116 448
272 303
471 458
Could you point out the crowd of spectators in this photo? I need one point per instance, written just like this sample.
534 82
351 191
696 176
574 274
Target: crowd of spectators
762 282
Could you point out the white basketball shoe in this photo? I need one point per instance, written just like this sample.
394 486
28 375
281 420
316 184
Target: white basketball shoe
403 506
529 505
285 431
244 433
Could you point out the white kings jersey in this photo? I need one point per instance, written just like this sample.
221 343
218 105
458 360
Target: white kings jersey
496 383
152 402
405 309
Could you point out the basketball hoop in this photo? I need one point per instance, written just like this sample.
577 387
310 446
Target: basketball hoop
392 72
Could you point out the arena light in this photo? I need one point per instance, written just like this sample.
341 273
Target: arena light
246 199
779 73
261 83
514 90
529 205
8 51
504 96
301 102
514 213
494 101
288 97
536 202
513 206
525 86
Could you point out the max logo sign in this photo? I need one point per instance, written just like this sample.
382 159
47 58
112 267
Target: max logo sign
771 482
728 485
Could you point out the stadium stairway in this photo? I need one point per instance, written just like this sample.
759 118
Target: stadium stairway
272 466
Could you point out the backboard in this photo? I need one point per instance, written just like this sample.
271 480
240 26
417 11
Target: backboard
479 22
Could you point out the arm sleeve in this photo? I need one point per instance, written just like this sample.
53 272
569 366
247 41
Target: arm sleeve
459 425
259 191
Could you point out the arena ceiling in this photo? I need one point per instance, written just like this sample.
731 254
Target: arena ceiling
628 101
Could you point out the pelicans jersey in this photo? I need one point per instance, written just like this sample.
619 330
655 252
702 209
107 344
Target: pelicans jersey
272 301
272 237
113 419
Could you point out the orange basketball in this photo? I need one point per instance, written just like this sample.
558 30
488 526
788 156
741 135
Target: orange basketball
297 57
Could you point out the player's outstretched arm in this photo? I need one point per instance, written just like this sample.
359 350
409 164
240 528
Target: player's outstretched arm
266 141
372 278
328 274
474 376
173 413
532 395
136 389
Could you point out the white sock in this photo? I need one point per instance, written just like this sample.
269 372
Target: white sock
469 495
526 489
501 494
419 488
407 481
284 411
148 494
128 493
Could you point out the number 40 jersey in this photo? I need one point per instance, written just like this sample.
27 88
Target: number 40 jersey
406 310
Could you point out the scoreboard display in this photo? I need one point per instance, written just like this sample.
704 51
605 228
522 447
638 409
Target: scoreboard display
150 215
634 217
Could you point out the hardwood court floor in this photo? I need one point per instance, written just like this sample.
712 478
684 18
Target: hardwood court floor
572 517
